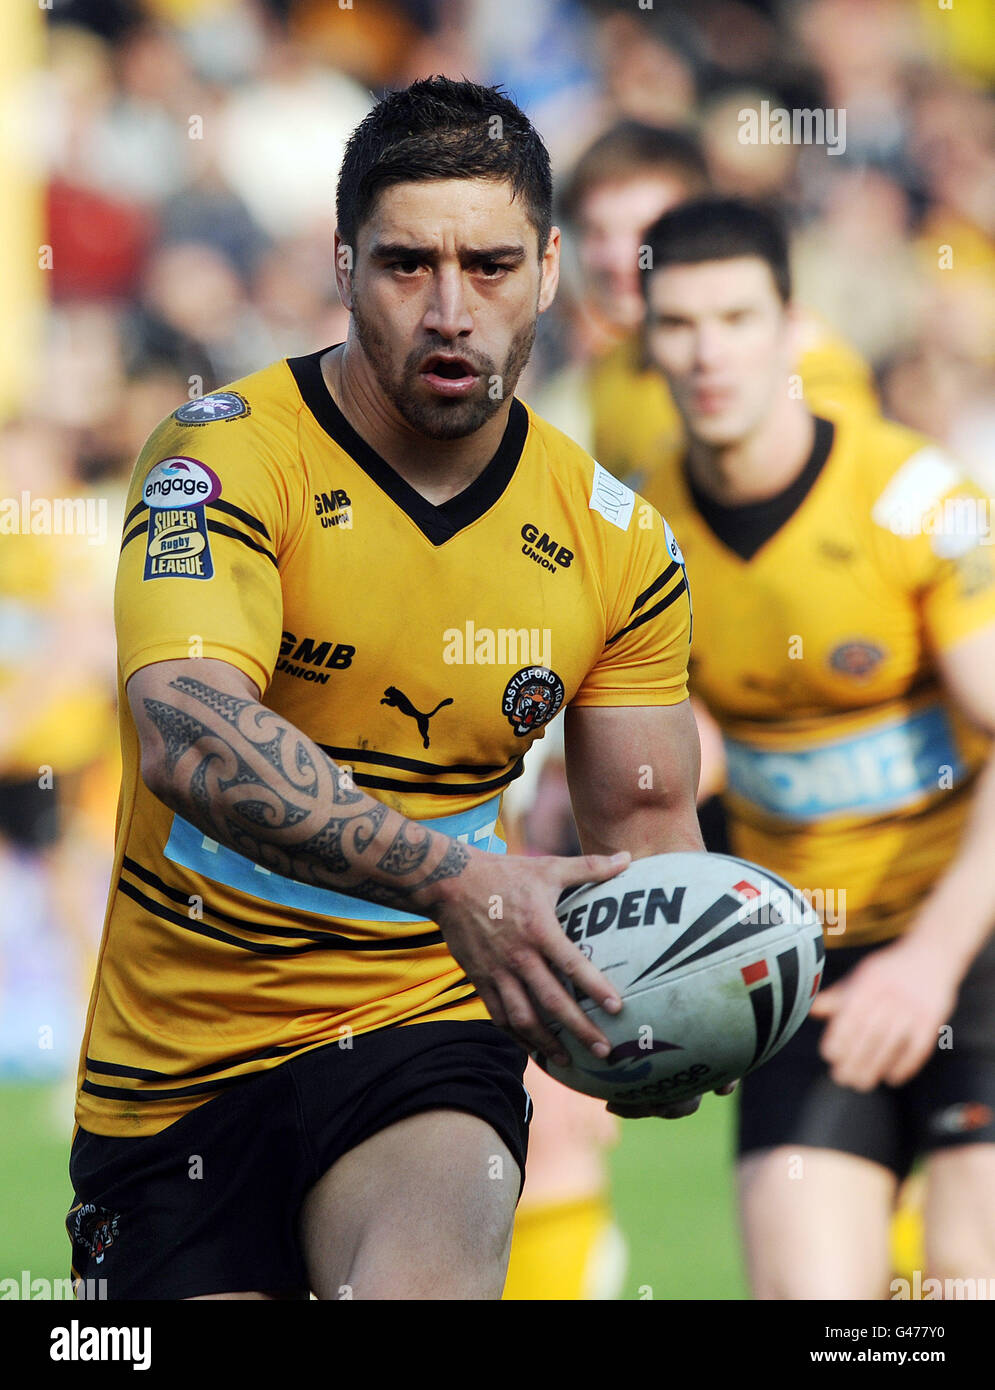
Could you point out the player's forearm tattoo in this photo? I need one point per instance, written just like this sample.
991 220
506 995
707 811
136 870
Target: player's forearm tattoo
248 778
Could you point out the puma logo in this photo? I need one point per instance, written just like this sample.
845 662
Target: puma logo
398 700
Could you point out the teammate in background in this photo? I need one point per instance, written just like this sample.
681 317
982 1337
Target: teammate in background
297 978
845 642
616 404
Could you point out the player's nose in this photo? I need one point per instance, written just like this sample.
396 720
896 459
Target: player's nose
708 345
447 312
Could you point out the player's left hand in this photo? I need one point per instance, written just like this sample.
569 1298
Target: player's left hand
885 1016
666 1112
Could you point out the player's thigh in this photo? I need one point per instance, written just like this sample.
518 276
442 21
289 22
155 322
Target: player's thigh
422 1210
959 1214
815 1223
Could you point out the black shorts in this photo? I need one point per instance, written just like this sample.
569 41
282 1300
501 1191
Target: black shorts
951 1101
29 814
210 1204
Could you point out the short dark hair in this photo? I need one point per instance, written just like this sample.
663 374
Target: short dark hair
719 229
630 149
439 128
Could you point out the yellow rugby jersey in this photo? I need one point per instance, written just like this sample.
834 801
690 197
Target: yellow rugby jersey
636 426
848 769
424 647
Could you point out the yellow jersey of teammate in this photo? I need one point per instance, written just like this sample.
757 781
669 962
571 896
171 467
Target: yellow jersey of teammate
637 429
848 772
422 647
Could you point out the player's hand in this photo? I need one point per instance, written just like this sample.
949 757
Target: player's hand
677 1111
885 1016
499 921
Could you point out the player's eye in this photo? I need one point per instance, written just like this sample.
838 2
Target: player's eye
406 267
493 270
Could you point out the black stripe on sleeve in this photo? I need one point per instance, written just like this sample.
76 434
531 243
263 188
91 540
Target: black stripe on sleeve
220 529
655 587
658 608
239 515
141 530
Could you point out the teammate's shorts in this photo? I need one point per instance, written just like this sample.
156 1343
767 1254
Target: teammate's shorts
210 1204
29 814
951 1101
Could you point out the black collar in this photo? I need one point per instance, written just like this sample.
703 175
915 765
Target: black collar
439 523
745 528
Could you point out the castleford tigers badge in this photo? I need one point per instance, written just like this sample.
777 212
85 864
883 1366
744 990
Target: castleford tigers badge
92 1228
532 697
859 659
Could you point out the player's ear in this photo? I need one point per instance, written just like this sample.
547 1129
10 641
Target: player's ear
344 261
550 270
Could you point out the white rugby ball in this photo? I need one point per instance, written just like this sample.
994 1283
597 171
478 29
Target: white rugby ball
716 960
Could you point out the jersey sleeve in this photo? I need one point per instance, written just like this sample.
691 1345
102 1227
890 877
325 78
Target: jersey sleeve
210 511
947 548
648 618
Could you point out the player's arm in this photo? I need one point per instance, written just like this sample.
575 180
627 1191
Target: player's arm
885 1017
633 776
248 778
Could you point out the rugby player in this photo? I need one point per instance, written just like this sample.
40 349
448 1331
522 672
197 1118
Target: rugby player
845 643
331 575
618 406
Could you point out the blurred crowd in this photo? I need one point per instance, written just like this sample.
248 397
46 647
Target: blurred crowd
178 159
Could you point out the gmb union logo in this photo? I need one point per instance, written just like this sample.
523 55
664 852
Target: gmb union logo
531 698
219 405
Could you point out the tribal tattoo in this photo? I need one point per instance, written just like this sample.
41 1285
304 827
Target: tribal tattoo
248 778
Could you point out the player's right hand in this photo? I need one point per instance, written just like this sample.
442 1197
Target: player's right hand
499 921
678 1111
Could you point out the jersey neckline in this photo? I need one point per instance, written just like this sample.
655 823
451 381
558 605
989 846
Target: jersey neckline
438 523
746 528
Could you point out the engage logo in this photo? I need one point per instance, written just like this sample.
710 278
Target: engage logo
180 480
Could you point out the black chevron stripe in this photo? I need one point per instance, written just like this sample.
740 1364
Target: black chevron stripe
739 931
787 963
762 1003
721 909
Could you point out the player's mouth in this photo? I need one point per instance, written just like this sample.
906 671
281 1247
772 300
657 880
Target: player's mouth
712 400
448 375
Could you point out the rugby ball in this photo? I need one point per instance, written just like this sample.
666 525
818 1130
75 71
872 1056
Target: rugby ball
716 960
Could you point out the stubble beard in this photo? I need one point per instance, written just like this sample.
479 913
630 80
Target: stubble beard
440 418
